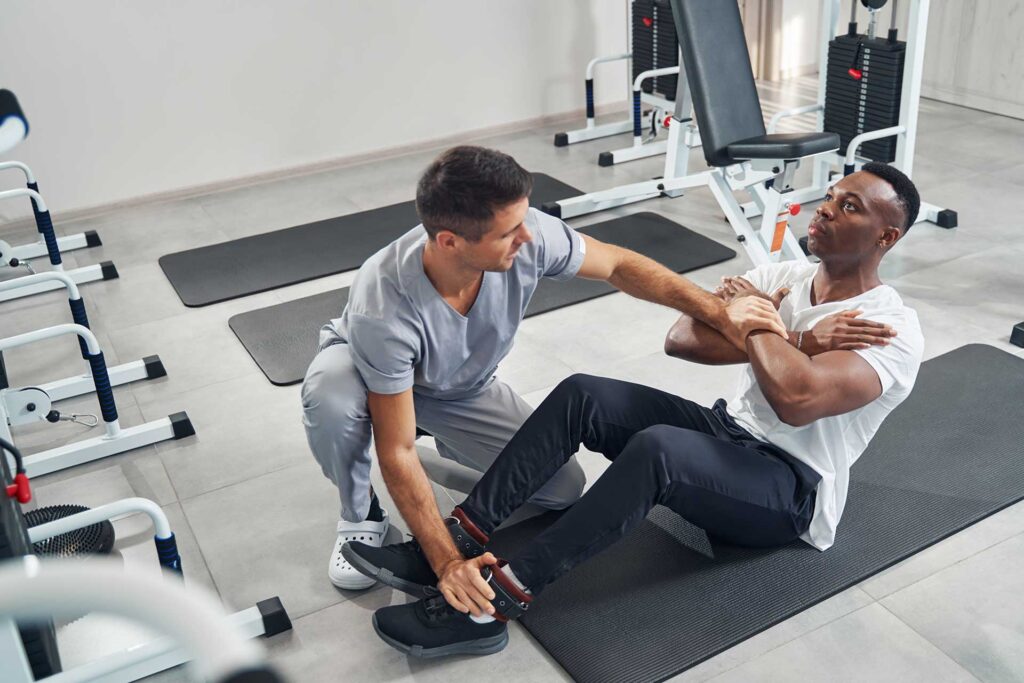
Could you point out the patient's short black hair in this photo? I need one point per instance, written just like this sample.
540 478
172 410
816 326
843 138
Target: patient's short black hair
463 187
907 197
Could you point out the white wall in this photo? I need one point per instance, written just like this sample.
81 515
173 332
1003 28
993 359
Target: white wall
800 42
131 98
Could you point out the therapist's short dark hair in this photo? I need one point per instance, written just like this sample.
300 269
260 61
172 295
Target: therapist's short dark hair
463 187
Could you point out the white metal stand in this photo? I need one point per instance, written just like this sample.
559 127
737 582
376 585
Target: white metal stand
147 368
31 404
37 249
824 173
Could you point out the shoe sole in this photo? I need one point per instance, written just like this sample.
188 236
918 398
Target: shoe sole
386 576
481 646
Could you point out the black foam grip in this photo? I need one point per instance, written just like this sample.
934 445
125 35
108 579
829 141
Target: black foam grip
103 389
45 226
167 553
79 316
35 206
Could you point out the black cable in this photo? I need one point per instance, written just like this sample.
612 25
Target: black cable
18 462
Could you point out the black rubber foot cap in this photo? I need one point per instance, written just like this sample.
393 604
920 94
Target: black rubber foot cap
275 618
946 219
154 367
92 239
1017 336
561 140
605 159
803 245
182 426
552 209
109 271
265 675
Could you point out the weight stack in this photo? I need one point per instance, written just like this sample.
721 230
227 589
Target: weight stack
655 45
40 639
855 106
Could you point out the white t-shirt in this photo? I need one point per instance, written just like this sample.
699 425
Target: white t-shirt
831 445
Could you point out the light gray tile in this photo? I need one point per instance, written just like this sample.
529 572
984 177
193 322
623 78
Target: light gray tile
271 535
957 548
276 205
867 645
810 619
197 348
338 643
144 478
244 429
138 235
972 611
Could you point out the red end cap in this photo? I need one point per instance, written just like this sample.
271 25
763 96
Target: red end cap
794 209
855 74
667 121
648 22
20 489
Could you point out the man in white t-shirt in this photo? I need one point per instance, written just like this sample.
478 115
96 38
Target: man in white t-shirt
768 467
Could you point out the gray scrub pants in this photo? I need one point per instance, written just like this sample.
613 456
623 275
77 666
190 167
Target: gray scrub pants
471 431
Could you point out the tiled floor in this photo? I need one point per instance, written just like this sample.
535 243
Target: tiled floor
255 517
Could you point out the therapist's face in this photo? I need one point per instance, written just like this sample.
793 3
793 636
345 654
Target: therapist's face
496 250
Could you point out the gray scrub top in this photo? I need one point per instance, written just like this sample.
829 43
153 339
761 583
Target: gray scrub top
403 334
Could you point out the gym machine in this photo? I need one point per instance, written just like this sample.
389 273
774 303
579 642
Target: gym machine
740 154
215 645
13 128
869 91
23 405
149 367
30 651
655 68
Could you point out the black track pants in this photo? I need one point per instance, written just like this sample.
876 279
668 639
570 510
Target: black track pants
664 450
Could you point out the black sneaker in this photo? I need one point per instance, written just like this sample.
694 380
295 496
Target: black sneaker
400 565
432 628
404 565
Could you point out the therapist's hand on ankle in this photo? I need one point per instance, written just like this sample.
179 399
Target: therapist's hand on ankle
464 587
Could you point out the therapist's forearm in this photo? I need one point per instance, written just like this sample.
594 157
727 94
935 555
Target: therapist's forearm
646 279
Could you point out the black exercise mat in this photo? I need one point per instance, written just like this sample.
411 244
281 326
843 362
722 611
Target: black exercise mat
665 598
282 339
219 272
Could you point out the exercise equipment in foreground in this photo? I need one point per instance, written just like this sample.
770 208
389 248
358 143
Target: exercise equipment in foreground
219 272
13 128
740 154
655 66
149 367
869 92
24 405
282 339
684 598
197 630
30 650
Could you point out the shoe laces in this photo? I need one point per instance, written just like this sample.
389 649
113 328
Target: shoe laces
437 608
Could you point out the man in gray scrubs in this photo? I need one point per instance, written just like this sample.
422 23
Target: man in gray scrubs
429 318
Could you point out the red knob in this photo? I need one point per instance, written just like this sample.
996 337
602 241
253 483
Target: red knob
794 209
855 74
20 489
666 122
648 22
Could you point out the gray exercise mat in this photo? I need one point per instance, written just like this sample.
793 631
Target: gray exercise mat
282 339
948 457
219 272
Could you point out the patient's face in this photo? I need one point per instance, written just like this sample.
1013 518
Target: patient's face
851 221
